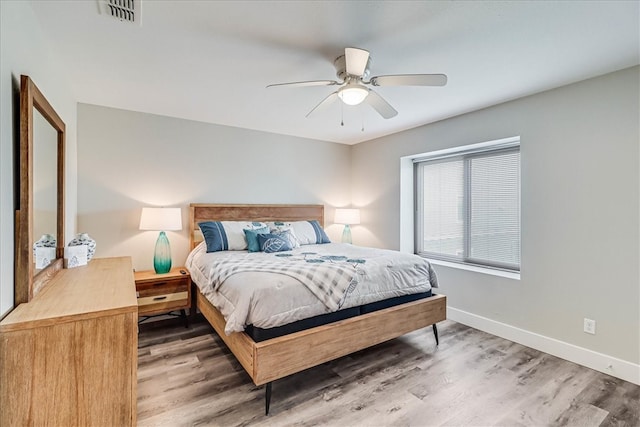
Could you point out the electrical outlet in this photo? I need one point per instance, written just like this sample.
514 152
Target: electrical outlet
589 326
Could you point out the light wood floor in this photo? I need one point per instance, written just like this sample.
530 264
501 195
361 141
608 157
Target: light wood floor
188 377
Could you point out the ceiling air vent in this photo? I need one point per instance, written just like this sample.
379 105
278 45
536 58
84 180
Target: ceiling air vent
122 10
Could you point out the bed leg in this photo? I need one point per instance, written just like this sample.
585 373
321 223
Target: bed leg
183 314
267 398
435 333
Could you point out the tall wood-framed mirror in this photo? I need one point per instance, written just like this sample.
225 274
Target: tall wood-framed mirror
41 210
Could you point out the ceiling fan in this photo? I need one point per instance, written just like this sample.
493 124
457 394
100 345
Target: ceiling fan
352 69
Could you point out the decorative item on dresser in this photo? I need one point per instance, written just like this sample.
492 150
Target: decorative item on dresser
163 293
348 217
69 356
161 219
44 251
84 239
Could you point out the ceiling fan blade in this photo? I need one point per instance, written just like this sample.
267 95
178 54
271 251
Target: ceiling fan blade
356 60
324 103
308 83
410 80
380 105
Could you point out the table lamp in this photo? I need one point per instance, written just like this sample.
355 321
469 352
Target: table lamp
161 219
348 217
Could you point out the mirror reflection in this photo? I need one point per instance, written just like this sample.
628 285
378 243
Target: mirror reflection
44 177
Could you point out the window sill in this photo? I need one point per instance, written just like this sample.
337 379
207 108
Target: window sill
477 269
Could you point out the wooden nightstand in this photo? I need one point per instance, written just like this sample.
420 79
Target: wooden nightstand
163 293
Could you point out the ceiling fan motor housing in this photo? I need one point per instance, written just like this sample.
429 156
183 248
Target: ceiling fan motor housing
341 68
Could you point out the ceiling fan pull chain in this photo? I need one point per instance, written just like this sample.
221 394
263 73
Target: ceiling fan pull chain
362 117
341 114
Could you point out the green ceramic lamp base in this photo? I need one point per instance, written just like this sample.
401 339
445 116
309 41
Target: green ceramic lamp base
346 234
162 254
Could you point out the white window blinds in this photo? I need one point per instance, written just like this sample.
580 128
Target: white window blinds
468 207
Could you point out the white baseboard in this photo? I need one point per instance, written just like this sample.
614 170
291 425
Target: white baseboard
591 359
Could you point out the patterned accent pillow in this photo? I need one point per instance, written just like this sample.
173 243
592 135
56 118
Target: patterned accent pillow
227 235
281 227
273 243
305 232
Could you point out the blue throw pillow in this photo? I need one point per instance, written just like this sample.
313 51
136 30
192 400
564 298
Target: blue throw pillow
252 238
273 243
214 236
321 236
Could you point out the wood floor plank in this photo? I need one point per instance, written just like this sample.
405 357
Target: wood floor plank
613 396
187 377
582 414
539 396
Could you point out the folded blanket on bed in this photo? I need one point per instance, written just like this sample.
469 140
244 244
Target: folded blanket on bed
329 282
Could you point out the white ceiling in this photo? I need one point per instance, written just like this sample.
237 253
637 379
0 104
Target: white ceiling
211 60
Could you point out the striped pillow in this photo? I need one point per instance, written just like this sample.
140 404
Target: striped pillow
227 235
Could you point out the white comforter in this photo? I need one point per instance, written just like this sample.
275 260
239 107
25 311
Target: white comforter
268 300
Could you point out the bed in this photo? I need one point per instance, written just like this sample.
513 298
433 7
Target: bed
267 358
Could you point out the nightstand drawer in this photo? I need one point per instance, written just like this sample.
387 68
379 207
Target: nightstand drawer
161 287
161 299
150 306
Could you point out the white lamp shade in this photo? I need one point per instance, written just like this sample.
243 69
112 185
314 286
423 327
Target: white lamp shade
161 219
347 216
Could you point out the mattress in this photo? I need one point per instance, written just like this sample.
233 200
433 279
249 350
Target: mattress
263 334
269 300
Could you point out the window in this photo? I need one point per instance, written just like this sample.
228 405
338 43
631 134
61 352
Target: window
468 205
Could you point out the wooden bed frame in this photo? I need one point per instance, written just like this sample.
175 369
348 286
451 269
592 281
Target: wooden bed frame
279 357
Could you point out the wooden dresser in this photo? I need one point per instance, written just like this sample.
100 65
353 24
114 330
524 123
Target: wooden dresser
69 356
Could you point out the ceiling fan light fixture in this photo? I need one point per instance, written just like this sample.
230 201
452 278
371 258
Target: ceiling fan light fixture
353 94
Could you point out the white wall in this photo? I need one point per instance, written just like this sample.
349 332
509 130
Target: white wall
580 214
128 160
25 50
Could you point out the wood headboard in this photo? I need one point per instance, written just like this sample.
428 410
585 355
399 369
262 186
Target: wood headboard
199 212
